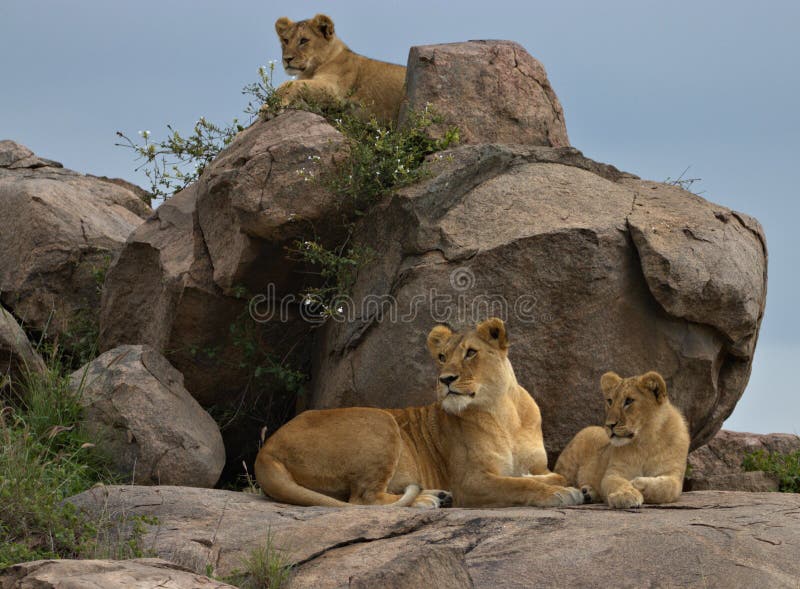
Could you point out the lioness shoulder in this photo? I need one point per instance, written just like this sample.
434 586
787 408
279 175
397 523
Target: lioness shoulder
325 67
640 454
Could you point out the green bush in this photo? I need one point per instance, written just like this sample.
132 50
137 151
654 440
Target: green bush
45 457
785 466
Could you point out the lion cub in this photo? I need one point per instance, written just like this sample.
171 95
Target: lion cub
326 67
640 455
481 440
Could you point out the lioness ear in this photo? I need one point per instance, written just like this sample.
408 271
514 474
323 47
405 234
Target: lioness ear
281 25
609 381
437 338
653 382
493 331
324 24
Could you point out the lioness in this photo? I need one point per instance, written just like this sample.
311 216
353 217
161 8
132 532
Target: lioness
481 440
640 455
324 65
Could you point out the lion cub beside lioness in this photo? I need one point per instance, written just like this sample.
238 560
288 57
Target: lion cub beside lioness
324 65
481 440
640 455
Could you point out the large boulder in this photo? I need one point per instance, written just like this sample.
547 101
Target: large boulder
718 464
17 356
138 573
59 231
706 539
593 269
493 91
179 284
146 421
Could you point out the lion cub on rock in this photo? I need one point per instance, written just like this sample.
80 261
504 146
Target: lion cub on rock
481 440
324 65
640 455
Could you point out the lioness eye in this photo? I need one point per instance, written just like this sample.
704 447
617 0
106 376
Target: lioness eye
470 353
628 401
303 41
285 41
442 358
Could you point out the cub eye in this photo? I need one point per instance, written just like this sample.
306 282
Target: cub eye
470 353
442 358
608 402
285 41
303 41
628 401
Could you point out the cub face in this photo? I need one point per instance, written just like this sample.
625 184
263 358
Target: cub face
473 367
630 404
305 44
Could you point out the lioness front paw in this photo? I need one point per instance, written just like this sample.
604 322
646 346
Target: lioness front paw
626 498
433 499
567 496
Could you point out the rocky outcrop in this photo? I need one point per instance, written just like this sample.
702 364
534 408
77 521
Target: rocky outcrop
718 464
139 573
707 539
59 231
493 91
180 280
593 270
145 420
17 356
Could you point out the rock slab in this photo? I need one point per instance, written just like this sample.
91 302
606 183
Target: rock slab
140 573
718 464
493 91
706 539
153 429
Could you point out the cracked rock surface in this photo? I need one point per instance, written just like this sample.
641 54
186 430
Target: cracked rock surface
139 573
58 230
493 91
153 430
707 539
592 268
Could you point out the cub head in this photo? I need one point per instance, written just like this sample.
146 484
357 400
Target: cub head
305 44
631 404
474 369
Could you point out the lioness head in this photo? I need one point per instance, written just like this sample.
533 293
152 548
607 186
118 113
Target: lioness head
631 404
473 366
305 44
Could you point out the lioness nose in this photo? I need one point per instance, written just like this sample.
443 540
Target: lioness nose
447 379
288 59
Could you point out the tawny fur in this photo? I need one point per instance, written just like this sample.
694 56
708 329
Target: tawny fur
481 440
325 67
640 454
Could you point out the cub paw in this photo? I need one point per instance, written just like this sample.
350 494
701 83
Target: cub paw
589 494
567 496
625 499
433 499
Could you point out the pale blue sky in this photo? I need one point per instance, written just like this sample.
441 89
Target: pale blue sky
651 87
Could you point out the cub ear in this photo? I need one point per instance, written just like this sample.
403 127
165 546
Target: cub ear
653 382
493 331
437 338
281 25
324 24
609 381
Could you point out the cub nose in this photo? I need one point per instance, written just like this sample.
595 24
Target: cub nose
446 380
611 426
288 60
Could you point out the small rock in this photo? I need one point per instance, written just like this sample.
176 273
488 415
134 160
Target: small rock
152 428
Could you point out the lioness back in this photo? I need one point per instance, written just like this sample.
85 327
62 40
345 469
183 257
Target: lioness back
640 454
324 65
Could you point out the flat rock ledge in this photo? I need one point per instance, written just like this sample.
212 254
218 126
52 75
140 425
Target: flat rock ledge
707 539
